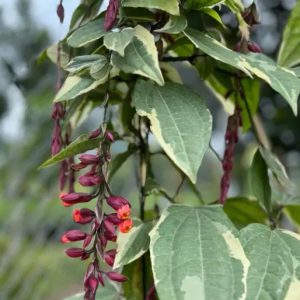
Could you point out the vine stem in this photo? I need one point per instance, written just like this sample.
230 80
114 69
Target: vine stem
142 176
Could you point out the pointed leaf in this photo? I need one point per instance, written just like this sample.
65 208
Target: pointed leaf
259 180
100 69
170 6
82 62
280 79
75 86
140 56
118 41
87 33
80 145
289 53
179 120
195 255
133 244
276 167
175 24
272 266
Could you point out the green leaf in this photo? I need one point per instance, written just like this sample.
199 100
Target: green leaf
52 53
212 13
280 79
243 211
170 6
272 266
108 292
118 41
199 4
140 56
120 159
133 244
179 120
87 33
195 255
289 53
293 213
82 62
100 69
75 86
296 71
175 24
80 145
276 167
251 89
259 180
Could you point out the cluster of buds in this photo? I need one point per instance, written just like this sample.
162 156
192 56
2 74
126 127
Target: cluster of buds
103 226
111 14
231 139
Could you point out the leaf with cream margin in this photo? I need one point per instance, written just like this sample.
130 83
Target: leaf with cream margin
118 41
140 56
179 120
170 6
79 63
75 86
195 254
133 244
175 24
282 80
289 53
87 33
272 269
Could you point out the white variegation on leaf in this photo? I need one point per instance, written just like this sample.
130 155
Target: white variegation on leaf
118 41
274 257
140 56
100 69
170 6
133 244
179 120
280 79
175 24
87 33
195 254
75 86
289 53
82 62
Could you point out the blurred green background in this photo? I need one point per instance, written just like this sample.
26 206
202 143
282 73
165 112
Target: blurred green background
32 262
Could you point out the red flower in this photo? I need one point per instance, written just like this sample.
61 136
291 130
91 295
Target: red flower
123 212
116 276
83 215
125 226
89 180
111 14
89 158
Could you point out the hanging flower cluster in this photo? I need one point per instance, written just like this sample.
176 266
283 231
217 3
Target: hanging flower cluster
103 227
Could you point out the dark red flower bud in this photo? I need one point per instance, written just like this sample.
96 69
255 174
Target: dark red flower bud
85 256
60 12
109 226
90 180
83 215
73 236
100 279
117 202
103 241
87 240
114 276
93 284
254 47
109 137
95 133
89 158
77 167
109 236
89 271
111 14
74 198
58 111
75 252
109 257
151 293
113 218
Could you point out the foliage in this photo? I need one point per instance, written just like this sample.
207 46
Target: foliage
122 59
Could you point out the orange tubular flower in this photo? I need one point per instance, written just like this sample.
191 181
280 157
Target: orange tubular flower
124 212
125 226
